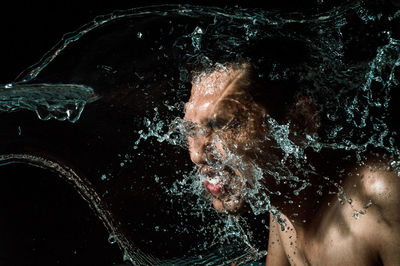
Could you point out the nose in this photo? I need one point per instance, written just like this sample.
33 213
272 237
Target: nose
198 149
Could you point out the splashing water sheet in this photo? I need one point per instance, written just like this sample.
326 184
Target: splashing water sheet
109 103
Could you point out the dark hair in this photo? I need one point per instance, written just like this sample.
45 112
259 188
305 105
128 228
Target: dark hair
262 58
277 96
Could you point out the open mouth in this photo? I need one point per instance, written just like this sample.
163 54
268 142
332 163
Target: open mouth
225 187
217 182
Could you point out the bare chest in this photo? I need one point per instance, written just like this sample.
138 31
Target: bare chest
331 242
338 247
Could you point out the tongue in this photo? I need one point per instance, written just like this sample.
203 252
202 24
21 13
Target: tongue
215 189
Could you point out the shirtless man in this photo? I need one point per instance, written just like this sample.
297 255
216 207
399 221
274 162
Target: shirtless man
231 137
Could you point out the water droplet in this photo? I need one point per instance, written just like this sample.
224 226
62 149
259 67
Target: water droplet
350 201
112 239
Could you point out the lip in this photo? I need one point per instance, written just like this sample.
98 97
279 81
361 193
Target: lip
213 184
216 190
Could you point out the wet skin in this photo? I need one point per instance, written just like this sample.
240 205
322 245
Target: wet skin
224 121
229 137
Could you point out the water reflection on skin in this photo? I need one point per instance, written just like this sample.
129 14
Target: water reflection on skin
225 121
230 138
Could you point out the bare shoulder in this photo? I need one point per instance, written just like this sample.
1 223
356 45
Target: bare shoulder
380 183
276 253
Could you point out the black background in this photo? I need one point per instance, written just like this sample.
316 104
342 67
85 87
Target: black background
28 29
40 226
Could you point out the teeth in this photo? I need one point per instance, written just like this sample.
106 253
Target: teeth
215 180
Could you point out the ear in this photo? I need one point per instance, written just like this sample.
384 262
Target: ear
304 116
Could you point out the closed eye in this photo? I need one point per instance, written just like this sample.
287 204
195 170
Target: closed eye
217 123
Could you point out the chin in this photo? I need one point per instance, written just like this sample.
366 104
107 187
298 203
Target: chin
230 206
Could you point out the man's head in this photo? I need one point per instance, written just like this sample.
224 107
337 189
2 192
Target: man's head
230 134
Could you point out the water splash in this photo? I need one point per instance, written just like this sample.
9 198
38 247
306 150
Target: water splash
353 97
59 101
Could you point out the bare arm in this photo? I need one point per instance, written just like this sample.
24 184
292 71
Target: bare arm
382 186
388 231
276 254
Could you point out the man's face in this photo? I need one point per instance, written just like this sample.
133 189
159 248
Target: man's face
227 135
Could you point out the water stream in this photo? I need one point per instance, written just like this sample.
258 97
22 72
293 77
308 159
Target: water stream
133 69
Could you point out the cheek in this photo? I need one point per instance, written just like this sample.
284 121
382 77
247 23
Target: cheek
243 141
220 147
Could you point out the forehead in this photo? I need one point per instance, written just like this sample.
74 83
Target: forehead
208 89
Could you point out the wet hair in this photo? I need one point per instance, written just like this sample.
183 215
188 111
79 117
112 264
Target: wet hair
277 97
260 59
